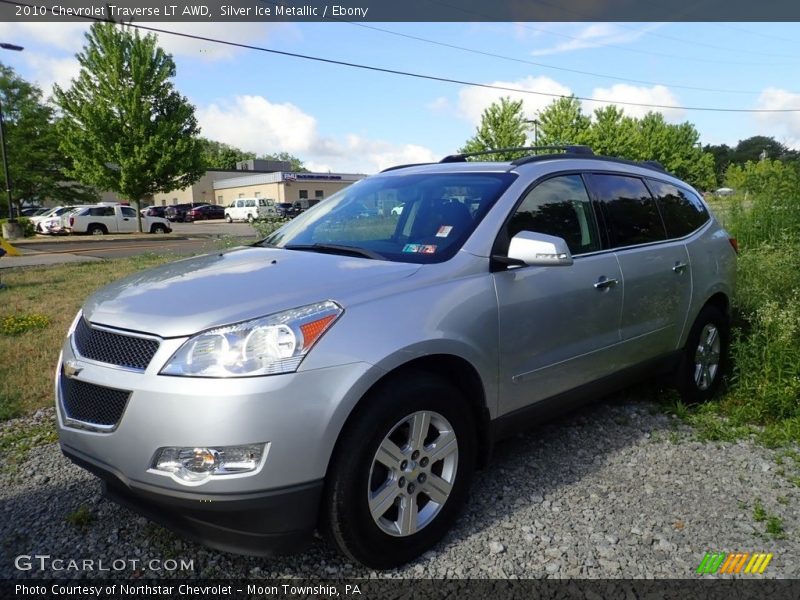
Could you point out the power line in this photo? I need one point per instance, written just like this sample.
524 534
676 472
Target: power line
428 77
543 65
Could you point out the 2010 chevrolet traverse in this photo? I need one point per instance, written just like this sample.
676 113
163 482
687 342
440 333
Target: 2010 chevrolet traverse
350 371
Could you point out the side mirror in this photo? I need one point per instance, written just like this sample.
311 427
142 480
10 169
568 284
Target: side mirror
538 249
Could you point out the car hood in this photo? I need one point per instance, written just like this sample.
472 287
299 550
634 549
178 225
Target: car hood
191 295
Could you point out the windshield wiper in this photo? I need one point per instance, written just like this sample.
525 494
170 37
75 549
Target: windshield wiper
336 249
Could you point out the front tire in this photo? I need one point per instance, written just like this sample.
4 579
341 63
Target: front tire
705 357
401 471
228 219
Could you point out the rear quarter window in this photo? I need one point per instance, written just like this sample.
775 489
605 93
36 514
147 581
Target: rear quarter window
682 210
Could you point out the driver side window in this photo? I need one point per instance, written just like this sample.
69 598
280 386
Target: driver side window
561 207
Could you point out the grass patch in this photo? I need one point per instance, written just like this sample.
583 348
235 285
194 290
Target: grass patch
759 514
17 442
81 517
54 293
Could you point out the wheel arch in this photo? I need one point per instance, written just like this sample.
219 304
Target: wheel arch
457 371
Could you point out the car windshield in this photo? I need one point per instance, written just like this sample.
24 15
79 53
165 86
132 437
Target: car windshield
422 218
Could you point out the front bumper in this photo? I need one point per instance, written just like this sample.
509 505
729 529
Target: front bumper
256 524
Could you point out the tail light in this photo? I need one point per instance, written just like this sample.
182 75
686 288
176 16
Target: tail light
734 244
71 221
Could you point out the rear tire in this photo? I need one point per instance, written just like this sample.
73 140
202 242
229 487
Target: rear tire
228 219
401 471
705 357
250 219
97 230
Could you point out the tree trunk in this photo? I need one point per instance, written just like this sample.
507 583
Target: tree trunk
138 214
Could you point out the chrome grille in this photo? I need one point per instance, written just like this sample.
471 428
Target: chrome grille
113 348
92 404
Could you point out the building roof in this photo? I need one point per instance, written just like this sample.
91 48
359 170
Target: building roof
283 176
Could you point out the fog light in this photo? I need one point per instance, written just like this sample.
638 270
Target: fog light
194 465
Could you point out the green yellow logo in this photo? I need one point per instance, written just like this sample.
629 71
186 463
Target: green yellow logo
735 563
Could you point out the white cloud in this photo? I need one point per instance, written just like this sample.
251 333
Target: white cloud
64 36
786 125
472 101
593 36
657 94
48 71
255 124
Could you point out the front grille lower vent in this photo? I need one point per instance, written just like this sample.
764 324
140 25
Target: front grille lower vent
93 404
113 348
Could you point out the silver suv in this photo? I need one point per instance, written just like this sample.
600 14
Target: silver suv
350 371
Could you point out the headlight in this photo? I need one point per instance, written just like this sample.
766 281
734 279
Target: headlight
266 346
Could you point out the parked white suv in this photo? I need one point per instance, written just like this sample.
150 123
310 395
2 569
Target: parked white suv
350 372
250 209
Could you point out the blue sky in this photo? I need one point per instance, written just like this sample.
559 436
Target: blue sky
344 119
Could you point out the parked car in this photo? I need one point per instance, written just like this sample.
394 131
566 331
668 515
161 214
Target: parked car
156 211
177 212
104 219
288 210
50 222
250 209
205 212
32 211
350 374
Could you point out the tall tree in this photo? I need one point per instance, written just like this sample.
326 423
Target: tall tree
34 162
124 125
217 155
563 122
502 126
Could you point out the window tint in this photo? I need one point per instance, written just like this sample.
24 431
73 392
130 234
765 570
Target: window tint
630 211
128 212
250 203
559 206
682 210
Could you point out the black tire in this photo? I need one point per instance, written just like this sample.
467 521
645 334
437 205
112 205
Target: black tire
96 229
695 380
250 219
158 229
228 219
347 519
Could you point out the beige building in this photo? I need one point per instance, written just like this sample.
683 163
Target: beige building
282 186
202 191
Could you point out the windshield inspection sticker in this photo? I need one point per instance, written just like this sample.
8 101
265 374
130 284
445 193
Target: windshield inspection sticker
444 231
420 248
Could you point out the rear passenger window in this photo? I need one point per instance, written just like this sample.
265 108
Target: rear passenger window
630 211
682 210
559 206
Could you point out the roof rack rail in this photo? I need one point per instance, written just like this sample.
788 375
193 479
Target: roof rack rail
653 164
569 149
404 166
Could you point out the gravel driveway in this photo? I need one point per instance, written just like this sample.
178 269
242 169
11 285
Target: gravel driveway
617 490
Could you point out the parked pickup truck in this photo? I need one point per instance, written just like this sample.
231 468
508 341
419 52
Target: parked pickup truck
100 220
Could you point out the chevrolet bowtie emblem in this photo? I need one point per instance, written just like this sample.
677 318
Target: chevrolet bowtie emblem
72 368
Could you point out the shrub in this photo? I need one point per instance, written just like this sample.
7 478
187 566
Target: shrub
266 226
27 226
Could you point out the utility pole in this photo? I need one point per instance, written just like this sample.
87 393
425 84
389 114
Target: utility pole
535 123
12 229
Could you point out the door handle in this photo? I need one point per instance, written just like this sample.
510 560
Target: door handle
604 283
679 267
